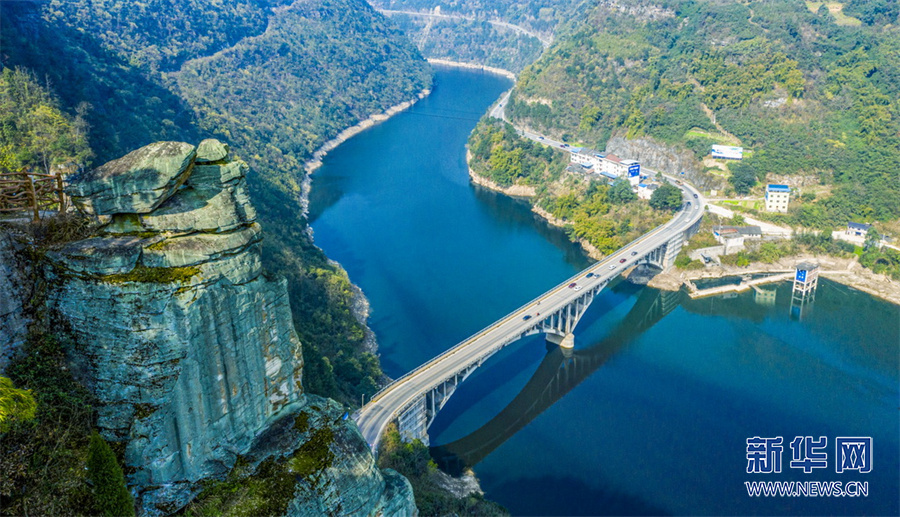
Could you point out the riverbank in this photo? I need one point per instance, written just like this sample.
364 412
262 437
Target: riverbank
471 66
514 191
528 192
359 307
846 271
316 161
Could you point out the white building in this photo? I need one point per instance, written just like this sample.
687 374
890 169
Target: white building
727 152
587 158
613 165
608 165
646 190
858 229
777 198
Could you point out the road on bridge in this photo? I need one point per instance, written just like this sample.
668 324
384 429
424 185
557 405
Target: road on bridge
388 403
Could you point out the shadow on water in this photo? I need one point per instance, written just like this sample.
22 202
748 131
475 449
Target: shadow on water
559 373
327 193
517 212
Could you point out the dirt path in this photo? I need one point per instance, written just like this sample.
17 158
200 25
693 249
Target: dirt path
710 114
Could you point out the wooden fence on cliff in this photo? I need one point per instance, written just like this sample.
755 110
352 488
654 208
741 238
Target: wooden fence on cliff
31 192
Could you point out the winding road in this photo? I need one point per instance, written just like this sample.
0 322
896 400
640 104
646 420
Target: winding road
545 42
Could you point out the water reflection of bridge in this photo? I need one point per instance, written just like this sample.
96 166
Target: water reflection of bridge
560 371
415 398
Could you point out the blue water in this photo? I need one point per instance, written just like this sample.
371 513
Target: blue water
651 413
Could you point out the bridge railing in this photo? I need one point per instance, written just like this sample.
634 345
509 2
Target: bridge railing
438 358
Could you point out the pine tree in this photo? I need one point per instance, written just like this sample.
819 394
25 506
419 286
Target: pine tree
111 497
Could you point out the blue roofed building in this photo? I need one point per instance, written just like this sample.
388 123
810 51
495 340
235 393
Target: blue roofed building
609 175
777 198
858 229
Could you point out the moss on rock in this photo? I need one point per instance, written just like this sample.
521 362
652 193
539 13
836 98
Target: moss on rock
159 275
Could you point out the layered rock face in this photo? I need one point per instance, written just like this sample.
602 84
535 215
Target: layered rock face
13 287
188 346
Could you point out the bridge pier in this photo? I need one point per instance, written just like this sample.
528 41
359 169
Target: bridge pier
413 423
415 398
561 340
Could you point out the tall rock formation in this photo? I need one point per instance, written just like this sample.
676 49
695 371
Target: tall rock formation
187 343
13 286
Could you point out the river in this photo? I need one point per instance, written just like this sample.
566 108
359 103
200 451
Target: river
652 412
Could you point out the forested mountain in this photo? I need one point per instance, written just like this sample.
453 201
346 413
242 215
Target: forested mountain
470 41
161 34
322 66
539 16
460 31
808 92
275 79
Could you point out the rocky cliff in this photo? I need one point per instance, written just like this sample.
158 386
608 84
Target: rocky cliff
654 154
13 286
188 345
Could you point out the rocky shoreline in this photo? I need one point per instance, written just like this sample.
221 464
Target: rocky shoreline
360 303
460 64
514 191
316 161
846 271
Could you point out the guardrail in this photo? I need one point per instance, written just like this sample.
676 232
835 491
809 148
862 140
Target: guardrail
31 192
438 358
694 217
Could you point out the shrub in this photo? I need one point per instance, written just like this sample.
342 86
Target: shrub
111 497
15 404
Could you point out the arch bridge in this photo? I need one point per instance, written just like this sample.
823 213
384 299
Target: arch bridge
415 398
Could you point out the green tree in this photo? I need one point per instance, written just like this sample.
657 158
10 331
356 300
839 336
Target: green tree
111 496
33 130
872 238
666 197
620 192
743 177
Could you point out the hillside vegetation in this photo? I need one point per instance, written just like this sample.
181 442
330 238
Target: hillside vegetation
807 96
470 41
275 79
603 216
538 16
34 133
469 37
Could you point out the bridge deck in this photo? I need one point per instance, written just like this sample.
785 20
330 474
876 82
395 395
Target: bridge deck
390 401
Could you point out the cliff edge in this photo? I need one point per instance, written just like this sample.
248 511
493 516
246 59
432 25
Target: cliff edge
189 346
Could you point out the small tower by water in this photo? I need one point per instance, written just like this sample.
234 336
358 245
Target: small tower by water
806 279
